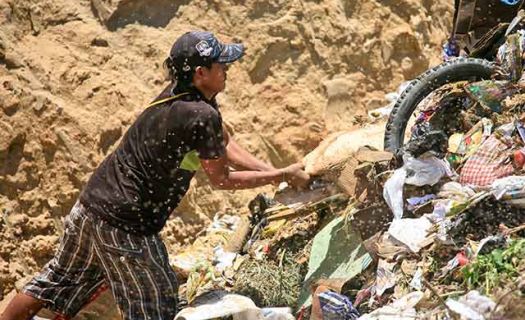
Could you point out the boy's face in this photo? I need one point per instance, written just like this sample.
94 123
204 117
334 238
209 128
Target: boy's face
213 79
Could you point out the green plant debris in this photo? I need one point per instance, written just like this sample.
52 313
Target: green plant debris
489 270
269 283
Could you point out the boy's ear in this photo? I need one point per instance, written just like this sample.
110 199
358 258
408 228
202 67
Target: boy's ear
199 71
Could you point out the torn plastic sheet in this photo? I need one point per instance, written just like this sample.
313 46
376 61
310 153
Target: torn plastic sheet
412 232
401 309
438 216
418 172
472 306
491 93
386 278
393 192
512 187
224 223
426 170
416 282
417 201
223 259
219 304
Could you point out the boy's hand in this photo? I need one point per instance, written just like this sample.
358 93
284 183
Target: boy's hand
295 175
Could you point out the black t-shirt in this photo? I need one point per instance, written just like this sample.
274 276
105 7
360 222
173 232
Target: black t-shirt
140 183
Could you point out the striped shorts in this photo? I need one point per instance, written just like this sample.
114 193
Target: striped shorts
93 253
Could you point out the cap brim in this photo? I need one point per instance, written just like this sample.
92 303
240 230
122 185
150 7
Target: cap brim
231 52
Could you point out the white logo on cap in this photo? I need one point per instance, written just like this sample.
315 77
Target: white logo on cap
204 48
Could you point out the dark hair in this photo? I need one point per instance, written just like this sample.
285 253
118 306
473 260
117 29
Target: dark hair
177 73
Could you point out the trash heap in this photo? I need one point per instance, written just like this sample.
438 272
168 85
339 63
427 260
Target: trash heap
368 240
436 231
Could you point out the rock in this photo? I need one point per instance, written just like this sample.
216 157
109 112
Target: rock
56 209
3 47
13 61
42 247
40 104
339 87
8 56
11 148
16 220
74 148
273 54
99 42
108 137
341 106
42 224
117 14
10 105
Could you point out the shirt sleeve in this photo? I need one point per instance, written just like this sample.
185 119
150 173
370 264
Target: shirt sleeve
208 136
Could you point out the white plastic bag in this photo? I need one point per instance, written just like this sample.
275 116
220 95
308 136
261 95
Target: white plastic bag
220 304
511 185
418 172
411 232
425 171
472 306
393 192
401 309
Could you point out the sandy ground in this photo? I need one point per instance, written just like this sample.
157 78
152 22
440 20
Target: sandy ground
75 74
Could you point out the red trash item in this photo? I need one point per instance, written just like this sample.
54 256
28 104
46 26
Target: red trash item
490 162
519 158
462 258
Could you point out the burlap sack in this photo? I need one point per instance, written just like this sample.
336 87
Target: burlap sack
337 156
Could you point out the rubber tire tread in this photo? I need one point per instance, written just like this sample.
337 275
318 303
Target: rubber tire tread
459 69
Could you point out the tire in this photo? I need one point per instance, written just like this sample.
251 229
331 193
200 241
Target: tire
459 69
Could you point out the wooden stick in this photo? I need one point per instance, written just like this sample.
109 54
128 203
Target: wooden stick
429 286
321 204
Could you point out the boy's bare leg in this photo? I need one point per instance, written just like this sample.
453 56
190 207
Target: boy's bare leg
22 307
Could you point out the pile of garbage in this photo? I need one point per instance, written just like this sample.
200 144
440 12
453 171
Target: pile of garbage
430 239
434 232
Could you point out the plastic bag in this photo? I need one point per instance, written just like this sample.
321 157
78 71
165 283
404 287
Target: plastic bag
401 309
491 93
425 170
472 306
411 232
419 172
512 187
393 192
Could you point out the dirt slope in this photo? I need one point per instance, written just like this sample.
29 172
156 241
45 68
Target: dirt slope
74 75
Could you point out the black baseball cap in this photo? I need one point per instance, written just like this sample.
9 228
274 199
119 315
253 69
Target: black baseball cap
201 48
